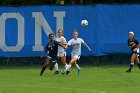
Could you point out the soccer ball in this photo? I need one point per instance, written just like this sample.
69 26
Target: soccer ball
84 22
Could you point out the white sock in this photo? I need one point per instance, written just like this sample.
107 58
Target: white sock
77 66
56 67
132 63
68 67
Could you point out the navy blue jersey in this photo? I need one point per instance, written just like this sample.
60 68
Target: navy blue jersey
52 47
133 41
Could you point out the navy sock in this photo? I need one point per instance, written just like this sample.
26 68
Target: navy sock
42 71
138 65
131 66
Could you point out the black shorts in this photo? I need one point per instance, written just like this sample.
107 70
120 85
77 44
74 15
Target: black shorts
53 58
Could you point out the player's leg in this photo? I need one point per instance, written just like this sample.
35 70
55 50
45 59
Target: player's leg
137 61
54 64
75 58
56 68
70 64
77 66
133 57
62 57
63 60
137 58
45 65
67 69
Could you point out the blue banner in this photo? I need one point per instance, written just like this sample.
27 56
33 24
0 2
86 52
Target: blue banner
24 30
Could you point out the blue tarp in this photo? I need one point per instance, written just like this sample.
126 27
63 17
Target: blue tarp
106 34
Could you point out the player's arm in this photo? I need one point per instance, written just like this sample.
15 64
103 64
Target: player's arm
64 42
129 45
62 45
132 46
69 43
86 46
44 52
137 45
82 41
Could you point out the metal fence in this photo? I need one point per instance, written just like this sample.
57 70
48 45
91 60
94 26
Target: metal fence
84 60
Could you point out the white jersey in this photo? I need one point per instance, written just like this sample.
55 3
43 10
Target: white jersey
60 48
76 46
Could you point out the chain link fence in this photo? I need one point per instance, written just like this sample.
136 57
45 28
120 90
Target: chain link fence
84 60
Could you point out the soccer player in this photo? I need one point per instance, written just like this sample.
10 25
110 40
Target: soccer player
61 50
52 48
133 44
76 51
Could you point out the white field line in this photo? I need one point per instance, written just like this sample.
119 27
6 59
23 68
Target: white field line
68 89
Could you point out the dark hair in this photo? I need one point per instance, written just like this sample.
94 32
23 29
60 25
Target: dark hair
51 34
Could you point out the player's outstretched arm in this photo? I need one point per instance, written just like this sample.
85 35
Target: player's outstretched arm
43 54
139 45
64 43
86 46
61 44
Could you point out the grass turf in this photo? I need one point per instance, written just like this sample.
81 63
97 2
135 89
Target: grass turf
104 79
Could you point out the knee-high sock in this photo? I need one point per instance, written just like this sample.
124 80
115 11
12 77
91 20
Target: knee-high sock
138 65
77 66
131 66
42 70
68 67
56 66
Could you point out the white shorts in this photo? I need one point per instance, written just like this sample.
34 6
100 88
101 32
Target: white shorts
137 52
75 56
61 54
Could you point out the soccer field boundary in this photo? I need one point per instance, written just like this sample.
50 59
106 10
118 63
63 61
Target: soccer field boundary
68 89
103 79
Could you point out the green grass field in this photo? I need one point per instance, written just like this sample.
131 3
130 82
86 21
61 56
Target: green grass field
104 79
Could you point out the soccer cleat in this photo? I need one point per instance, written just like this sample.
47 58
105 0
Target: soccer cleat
56 72
79 71
128 71
67 72
62 72
40 74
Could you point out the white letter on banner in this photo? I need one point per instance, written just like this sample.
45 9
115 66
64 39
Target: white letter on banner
40 22
20 20
59 19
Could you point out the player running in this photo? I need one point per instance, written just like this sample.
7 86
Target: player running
61 51
76 51
133 44
52 48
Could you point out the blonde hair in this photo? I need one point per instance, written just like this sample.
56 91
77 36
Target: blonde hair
75 31
60 30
